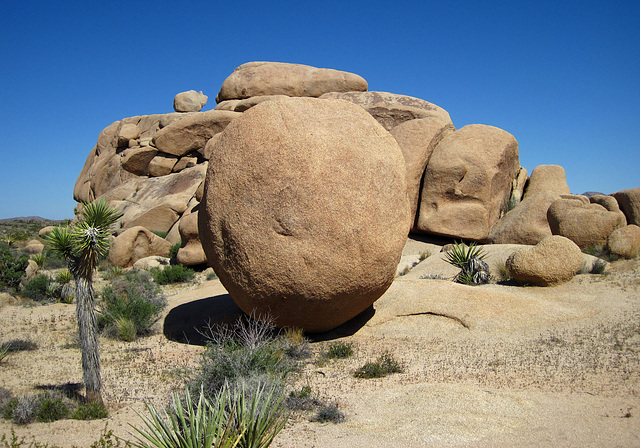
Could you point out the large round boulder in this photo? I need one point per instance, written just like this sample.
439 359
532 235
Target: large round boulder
629 201
305 211
553 260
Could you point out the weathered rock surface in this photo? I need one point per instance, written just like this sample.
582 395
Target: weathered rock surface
278 78
192 133
45 230
296 219
629 202
625 241
553 260
148 263
189 101
527 223
390 109
584 223
191 253
168 195
136 160
467 182
136 243
417 139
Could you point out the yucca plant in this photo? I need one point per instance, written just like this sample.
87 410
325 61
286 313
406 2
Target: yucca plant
82 246
39 259
259 415
64 277
460 254
191 425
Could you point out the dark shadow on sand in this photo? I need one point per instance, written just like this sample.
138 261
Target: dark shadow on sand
190 322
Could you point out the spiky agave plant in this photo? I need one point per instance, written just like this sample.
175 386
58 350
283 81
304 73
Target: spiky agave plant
82 246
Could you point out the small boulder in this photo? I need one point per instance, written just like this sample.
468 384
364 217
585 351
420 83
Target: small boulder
296 219
34 247
148 263
191 253
30 271
279 78
126 133
585 223
136 160
553 260
136 243
189 101
629 202
625 241
45 230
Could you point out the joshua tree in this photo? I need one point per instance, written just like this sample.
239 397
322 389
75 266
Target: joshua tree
82 246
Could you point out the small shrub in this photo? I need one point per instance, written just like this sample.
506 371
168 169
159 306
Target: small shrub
385 365
51 408
24 410
503 274
601 252
294 344
404 271
113 272
173 251
134 297
599 267
302 400
90 411
424 255
474 271
160 234
19 345
39 259
63 277
460 254
4 352
329 413
339 350
125 329
176 273
54 260
212 276
37 288
11 268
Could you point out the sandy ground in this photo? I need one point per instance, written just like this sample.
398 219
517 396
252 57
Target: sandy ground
487 366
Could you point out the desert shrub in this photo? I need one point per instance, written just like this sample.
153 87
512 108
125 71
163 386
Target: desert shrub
19 345
51 408
250 352
385 365
502 272
173 251
160 234
37 288
339 350
294 344
599 267
63 277
23 410
53 260
4 352
112 272
212 276
329 413
11 268
39 259
176 273
90 411
601 252
125 328
424 255
302 400
135 298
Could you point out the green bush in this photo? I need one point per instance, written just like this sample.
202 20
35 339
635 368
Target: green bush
19 345
135 298
51 408
173 252
54 260
339 350
385 365
250 352
11 268
90 411
176 273
63 277
302 400
37 288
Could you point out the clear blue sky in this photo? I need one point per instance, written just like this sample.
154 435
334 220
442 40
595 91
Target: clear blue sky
563 76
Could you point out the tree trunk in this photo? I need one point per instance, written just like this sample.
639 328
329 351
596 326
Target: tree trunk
88 332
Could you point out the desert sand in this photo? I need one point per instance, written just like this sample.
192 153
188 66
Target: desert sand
485 366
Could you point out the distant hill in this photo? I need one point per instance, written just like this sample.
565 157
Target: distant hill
29 219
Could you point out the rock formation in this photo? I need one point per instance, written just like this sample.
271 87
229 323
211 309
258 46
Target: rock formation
298 221
553 260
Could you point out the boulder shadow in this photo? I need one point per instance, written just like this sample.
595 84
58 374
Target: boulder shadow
349 328
191 322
